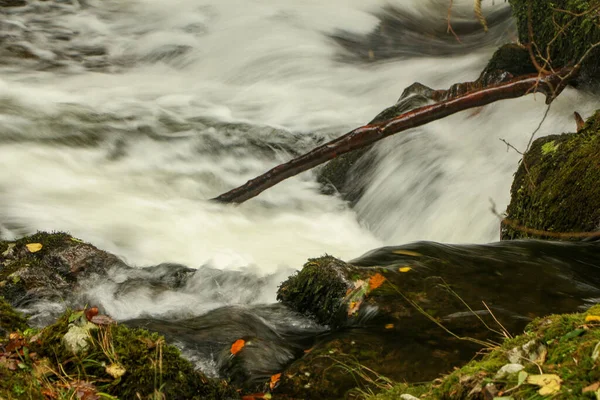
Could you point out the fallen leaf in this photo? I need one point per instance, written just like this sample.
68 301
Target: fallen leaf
358 284
376 280
590 318
407 253
115 370
102 320
404 269
549 383
521 377
274 379
353 307
237 346
596 351
85 390
91 312
389 326
33 247
591 388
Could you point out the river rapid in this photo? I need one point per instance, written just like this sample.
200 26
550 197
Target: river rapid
119 119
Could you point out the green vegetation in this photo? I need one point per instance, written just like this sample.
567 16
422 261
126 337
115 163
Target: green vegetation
118 362
563 347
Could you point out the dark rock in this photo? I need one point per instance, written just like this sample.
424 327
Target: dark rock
51 273
556 189
13 3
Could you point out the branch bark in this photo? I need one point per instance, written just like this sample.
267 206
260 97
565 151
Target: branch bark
550 84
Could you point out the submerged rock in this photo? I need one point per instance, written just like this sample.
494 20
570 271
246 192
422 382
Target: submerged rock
556 190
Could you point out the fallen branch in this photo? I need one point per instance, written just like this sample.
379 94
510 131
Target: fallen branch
550 84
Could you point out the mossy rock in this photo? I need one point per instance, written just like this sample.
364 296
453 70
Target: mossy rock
561 345
556 190
48 272
119 361
563 31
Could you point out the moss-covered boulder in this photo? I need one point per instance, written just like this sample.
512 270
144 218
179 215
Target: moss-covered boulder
117 361
556 357
46 266
556 190
562 31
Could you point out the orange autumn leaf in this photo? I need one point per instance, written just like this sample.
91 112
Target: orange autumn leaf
592 318
376 280
274 379
237 346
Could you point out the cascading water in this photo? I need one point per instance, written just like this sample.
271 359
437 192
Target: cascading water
118 119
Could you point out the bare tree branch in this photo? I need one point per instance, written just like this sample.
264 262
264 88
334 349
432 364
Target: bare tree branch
550 84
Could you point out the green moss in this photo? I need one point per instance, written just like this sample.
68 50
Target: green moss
556 186
10 320
151 366
20 384
563 30
569 342
549 147
316 290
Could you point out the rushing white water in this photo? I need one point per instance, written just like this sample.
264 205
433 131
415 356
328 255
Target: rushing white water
154 106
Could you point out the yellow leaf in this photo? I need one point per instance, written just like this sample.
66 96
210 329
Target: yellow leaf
353 307
549 383
590 318
404 269
237 346
274 379
375 281
389 326
33 247
115 370
407 253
